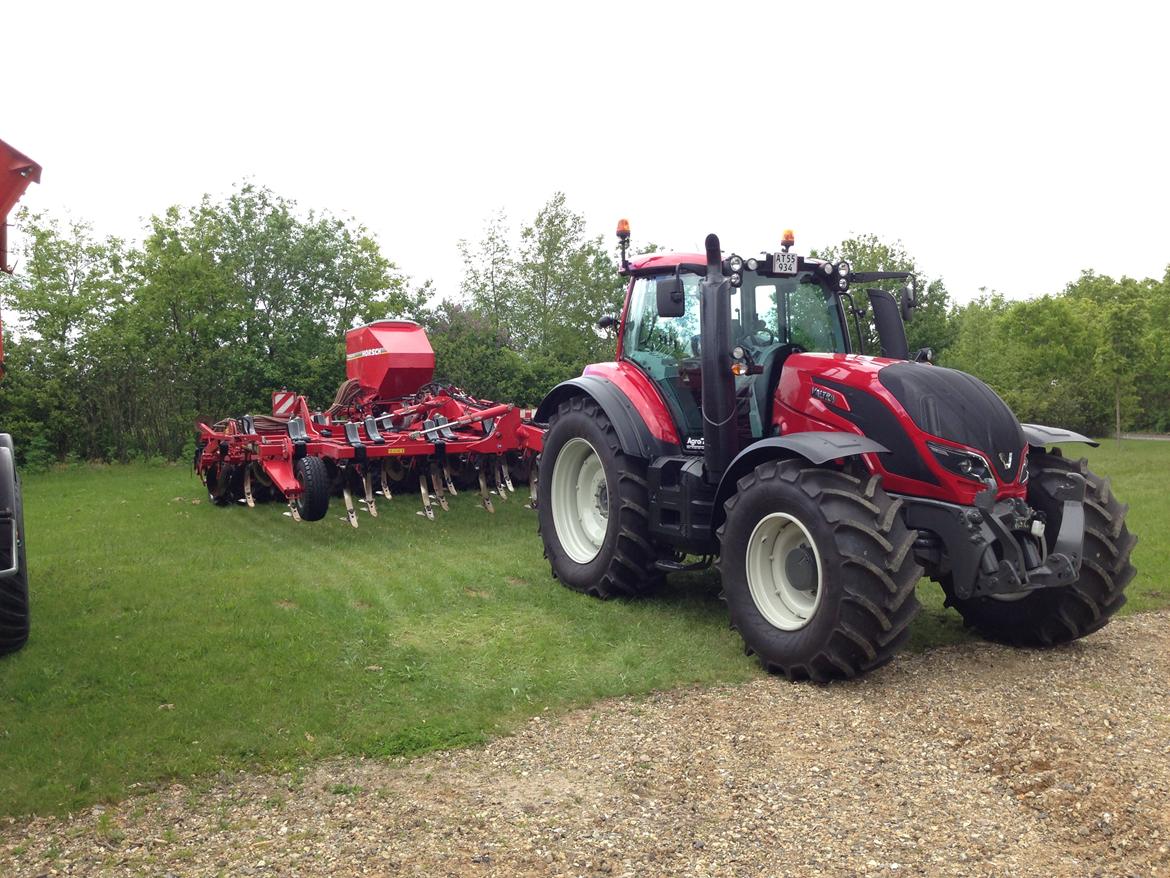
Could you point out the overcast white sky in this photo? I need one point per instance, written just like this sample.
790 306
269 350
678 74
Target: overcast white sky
1007 146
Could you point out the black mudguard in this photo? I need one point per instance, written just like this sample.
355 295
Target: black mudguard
1041 437
814 446
629 425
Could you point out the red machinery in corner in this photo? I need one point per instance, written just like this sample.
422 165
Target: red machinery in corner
17 171
388 423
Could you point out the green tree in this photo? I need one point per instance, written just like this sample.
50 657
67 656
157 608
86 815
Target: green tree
1038 354
489 281
119 350
931 325
565 282
247 296
70 288
1120 312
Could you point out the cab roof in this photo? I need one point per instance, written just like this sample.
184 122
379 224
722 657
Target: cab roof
652 261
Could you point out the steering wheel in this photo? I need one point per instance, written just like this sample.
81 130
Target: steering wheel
760 338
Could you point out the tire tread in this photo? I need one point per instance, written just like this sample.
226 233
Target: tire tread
873 561
631 571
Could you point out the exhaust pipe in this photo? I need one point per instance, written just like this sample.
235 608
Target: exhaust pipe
720 439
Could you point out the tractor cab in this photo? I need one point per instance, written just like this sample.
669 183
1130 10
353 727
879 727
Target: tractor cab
780 304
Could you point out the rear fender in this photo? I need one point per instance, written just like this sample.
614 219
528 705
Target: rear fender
815 447
633 434
1042 437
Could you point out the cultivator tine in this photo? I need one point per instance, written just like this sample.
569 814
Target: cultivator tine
368 486
483 488
532 477
506 470
450 481
386 480
248 498
426 497
350 512
437 481
498 476
292 511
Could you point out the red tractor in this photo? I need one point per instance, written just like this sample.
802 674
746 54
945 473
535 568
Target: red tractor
738 422
16 172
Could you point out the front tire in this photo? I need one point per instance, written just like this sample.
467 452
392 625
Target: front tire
818 570
593 506
1051 616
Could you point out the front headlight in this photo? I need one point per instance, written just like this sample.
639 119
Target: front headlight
967 464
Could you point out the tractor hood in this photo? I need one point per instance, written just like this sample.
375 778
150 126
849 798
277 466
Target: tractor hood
890 400
954 405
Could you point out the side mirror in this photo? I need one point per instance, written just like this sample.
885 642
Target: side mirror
907 302
670 297
606 321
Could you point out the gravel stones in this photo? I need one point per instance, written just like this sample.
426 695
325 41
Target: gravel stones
968 760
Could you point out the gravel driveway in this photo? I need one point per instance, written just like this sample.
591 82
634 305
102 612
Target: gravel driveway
970 760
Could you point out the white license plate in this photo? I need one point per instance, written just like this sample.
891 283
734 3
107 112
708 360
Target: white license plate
784 263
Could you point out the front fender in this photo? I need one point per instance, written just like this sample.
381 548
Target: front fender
633 434
814 446
1042 437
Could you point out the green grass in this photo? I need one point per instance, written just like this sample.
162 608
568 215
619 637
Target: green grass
173 639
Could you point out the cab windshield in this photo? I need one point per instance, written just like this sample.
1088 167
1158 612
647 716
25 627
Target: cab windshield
770 317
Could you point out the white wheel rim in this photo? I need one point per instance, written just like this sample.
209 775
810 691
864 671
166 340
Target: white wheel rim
580 500
770 550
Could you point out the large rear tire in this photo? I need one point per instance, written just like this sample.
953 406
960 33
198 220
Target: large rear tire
313 503
593 506
818 570
1051 616
14 602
